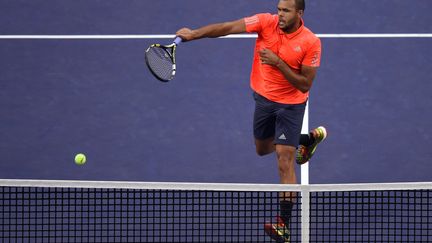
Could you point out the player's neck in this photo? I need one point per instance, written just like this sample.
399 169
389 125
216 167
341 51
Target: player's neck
293 28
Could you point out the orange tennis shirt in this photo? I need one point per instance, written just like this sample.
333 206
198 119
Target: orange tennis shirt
296 49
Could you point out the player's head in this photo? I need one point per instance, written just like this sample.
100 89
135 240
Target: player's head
300 5
290 13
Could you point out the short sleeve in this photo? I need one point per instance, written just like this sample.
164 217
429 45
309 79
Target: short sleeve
313 55
255 23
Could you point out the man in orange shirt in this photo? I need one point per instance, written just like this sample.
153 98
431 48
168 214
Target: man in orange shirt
286 58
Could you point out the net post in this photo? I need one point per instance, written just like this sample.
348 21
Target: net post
305 130
305 207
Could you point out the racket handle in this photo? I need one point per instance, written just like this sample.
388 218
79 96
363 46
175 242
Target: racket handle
177 40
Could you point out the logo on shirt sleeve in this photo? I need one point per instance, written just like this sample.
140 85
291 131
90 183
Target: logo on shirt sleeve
251 20
315 59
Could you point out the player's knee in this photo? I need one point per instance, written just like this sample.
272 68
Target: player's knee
262 151
285 164
264 147
286 159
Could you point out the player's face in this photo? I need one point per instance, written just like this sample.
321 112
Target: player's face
289 16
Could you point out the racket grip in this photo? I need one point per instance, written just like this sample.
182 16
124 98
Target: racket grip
177 40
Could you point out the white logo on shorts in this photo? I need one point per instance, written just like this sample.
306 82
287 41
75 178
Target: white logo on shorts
282 137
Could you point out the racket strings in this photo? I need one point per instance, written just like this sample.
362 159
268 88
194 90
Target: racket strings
160 62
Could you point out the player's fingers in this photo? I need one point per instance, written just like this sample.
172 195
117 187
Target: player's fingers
178 32
183 32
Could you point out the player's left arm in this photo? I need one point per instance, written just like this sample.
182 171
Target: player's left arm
302 81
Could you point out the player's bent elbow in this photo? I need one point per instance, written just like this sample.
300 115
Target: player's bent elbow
304 89
305 86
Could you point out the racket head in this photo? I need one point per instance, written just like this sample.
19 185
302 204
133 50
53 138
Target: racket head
161 61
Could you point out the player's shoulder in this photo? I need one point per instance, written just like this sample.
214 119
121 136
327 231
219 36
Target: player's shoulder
260 22
309 36
267 17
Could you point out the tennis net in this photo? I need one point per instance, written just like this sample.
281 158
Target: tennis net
98 211
371 213
77 211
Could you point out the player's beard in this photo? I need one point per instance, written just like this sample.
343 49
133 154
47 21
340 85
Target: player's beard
287 26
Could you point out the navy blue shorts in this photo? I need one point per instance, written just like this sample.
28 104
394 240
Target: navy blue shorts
279 121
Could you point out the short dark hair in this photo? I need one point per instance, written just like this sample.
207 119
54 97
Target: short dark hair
300 4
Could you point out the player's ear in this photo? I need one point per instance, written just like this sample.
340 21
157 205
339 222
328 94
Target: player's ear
300 13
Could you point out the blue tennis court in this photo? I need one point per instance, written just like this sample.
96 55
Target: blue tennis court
73 80
62 96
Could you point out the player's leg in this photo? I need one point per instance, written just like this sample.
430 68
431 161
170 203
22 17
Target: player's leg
286 165
285 158
288 125
279 229
264 125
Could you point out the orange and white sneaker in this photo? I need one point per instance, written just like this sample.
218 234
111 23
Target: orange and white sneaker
304 154
278 231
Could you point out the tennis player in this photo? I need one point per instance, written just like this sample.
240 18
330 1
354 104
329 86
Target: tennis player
287 56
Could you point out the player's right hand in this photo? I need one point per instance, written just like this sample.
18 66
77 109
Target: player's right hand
186 34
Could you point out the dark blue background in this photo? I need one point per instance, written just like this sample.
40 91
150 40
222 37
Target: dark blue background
61 97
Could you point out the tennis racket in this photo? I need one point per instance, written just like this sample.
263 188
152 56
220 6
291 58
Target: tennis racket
160 59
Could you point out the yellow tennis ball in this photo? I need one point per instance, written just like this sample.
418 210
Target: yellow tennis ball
80 159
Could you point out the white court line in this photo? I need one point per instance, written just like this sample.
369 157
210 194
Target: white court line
239 36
